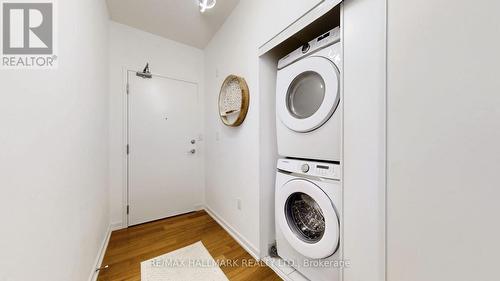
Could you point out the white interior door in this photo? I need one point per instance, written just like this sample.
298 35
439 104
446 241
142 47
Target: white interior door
164 172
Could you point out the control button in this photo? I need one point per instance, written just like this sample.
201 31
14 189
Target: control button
305 168
305 48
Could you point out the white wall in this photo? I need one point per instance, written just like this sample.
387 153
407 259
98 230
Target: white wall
131 48
276 15
53 154
443 140
364 140
233 154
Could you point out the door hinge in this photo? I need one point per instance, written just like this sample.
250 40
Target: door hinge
128 88
128 149
128 209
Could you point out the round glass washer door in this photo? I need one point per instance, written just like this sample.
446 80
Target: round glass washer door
309 220
307 93
305 217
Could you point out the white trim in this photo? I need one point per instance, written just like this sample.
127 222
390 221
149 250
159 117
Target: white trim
365 214
169 215
277 270
341 85
124 96
306 19
117 226
235 234
100 254
292 275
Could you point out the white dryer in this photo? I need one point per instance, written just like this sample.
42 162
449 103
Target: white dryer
308 207
307 100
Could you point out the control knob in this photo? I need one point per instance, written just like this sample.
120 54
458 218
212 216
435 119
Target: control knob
305 168
305 48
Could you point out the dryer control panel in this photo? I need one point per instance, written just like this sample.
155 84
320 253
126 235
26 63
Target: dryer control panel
311 168
320 42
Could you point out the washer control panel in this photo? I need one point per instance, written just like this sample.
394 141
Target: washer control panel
312 168
320 42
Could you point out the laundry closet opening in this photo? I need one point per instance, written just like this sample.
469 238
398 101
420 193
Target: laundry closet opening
324 27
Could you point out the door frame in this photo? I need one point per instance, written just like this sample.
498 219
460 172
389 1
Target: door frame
126 71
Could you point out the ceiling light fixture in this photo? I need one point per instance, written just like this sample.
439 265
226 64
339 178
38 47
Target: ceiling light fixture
206 4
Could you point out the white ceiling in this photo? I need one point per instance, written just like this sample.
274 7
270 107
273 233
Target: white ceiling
178 20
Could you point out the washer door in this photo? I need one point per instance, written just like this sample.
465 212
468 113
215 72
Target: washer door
308 219
307 93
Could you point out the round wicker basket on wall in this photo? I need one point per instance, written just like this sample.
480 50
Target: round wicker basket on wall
234 99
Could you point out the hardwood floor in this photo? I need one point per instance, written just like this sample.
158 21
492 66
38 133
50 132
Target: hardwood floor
128 247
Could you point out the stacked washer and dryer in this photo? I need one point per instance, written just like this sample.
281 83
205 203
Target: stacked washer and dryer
308 201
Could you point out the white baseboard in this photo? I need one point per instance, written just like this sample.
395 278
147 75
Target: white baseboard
278 272
235 234
285 272
117 226
100 254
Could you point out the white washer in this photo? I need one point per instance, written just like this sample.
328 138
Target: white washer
308 203
307 100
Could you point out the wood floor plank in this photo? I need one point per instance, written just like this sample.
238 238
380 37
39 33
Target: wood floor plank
129 247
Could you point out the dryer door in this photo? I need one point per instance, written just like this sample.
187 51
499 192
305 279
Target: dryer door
308 221
307 93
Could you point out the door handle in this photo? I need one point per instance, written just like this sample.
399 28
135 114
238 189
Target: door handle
192 151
